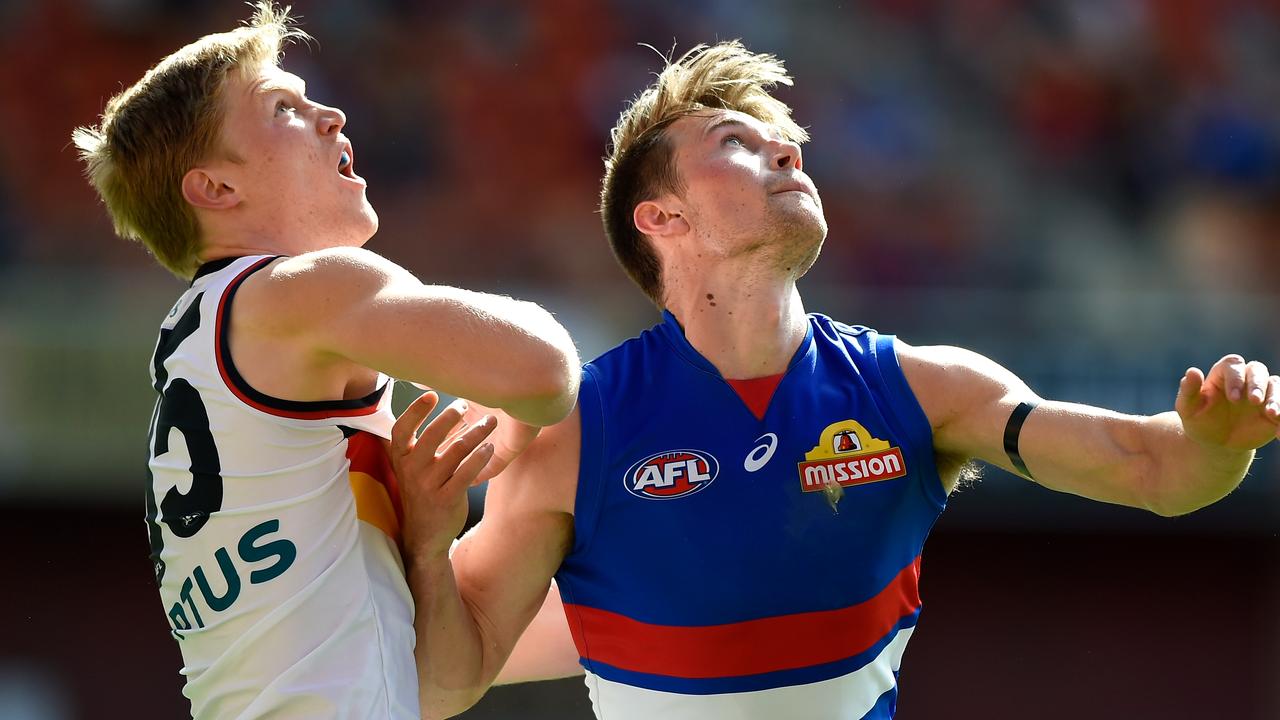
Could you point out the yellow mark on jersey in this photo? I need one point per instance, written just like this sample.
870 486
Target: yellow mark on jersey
373 504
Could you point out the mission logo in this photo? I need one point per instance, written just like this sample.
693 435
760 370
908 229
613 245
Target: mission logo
671 474
847 455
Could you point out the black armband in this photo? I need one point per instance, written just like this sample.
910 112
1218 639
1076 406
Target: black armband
1011 433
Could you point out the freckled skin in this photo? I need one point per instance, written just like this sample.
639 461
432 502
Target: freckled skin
286 166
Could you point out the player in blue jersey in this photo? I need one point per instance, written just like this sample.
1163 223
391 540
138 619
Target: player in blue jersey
735 511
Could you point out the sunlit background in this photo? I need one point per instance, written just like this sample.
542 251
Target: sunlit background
1087 191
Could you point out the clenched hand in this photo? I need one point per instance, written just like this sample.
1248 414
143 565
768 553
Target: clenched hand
1235 407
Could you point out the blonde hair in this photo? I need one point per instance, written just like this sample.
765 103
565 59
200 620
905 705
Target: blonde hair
640 163
168 122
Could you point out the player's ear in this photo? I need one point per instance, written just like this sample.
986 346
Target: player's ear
209 188
659 218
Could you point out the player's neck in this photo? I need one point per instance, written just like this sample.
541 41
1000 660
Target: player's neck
225 242
220 252
746 325
265 241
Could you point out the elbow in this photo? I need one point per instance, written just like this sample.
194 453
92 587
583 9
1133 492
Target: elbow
1164 497
538 394
444 696
548 403
549 375
440 705
557 378
1180 506
1168 510
1150 493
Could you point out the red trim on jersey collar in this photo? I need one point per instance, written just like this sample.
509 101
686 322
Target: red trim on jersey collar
756 392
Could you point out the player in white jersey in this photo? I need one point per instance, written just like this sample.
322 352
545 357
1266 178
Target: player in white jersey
272 512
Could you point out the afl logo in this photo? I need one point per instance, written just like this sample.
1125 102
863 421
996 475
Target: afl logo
671 474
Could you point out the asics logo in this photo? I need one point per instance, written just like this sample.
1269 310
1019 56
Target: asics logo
761 453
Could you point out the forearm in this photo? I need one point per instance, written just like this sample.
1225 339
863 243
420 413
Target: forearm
537 363
1171 464
450 645
517 357
1146 462
545 650
498 351
1186 475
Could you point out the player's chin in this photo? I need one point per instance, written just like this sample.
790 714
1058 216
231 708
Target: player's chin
799 243
807 224
354 228
366 221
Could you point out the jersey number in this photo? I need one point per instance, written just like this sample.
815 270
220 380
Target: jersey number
181 408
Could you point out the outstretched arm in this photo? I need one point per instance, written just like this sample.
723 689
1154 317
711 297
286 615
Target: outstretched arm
473 603
1171 463
352 305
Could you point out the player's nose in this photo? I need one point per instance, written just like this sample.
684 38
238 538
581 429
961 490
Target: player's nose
330 120
786 155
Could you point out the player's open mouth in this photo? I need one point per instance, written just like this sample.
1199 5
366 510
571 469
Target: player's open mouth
346 163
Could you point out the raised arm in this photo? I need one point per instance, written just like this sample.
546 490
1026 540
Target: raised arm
1171 463
347 304
473 606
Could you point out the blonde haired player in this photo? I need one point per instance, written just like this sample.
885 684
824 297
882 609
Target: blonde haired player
273 516
735 510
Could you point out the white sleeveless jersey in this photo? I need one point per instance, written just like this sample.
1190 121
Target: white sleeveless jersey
274 533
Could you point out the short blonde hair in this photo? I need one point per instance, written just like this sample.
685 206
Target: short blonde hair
640 164
168 122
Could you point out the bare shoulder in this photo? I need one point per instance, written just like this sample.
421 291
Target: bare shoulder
948 381
295 293
331 273
544 478
944 360
340 260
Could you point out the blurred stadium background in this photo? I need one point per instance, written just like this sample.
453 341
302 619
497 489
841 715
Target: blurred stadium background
1087 191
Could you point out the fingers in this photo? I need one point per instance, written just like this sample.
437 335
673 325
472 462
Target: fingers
1238 381
462 446
471 414
405 430
1255 382
1271 406
440 426
466 456
1229 373
1189 399
469 469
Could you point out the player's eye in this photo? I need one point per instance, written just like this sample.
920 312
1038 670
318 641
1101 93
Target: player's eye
284 106
734 140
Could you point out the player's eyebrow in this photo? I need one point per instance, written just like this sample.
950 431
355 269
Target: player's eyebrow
287 83
730 121
724 121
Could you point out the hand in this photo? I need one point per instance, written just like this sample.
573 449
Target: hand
510 439
435 470
1236 407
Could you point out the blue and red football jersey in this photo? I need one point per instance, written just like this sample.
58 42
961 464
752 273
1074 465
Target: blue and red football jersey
731 566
